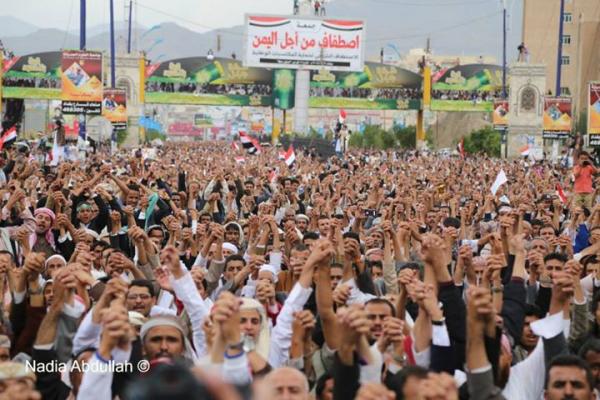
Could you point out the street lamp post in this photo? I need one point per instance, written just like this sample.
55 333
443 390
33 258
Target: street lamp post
504 49
82 24
559 53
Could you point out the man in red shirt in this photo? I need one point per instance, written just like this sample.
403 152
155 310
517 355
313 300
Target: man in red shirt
583 187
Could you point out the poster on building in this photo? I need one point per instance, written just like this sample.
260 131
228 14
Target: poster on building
557 117
376 87
114 107
204 81
471 87
500 114
284 88
593 122
214 122
81 82
32 76
304 42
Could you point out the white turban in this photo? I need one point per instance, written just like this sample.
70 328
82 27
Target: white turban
231 247
271 269
174 323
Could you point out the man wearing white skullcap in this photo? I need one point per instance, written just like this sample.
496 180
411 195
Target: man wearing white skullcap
164 337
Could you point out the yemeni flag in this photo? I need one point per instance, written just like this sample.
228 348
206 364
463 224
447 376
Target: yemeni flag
268 22
249 143
561 193
150 69
290 156
56 154
342 116
235 146
273 176
8 63
461 148
240 160
9 136
524 151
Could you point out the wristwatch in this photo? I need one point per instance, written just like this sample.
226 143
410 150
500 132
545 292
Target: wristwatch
498 289
39 290
235 348
400 360
248 344
439 322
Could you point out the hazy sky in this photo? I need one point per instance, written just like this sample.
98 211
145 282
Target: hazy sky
201 14
455 26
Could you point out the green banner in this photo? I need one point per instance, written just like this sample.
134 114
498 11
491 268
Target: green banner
373 76
470 87
33 76
472 77
462 105
376 87
363 104
284 88
207 99
201 70
198 80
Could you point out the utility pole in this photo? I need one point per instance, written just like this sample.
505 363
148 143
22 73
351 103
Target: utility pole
302 84
112 44
82 24
559 53
504 94
129 27
578 84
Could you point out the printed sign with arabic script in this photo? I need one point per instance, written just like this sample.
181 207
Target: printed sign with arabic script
312 43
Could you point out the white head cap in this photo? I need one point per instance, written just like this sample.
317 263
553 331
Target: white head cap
271 269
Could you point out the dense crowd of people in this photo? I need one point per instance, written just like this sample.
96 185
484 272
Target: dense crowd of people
364 93
229 89
47 83
471 95
209 273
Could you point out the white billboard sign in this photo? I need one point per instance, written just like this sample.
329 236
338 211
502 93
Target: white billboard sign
304 43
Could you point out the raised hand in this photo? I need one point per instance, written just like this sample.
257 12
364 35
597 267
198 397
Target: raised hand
438 387
406 276
226 314
162 278
494 265
116 329
354 322
465 255
516 243
265 292
304 322
562 291
321 254
34 265
374 391
434 250
341 294
480 307
169 258
351 250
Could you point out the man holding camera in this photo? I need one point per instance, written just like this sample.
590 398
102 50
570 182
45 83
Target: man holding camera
584 184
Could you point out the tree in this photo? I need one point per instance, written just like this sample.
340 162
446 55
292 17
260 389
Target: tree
581 123
485 140
375 137
122 136
406 136
152 134
356 140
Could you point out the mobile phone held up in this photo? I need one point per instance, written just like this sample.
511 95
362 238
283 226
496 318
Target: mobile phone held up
369 212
